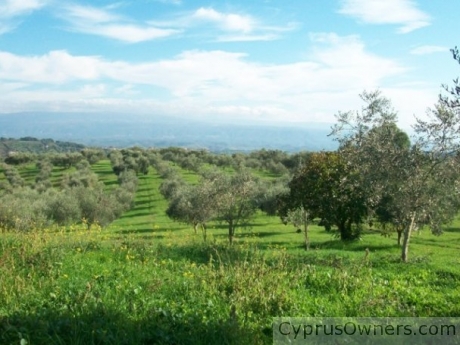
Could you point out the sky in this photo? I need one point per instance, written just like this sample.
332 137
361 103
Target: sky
261 61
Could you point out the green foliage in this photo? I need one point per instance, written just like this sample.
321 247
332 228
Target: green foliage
45 170
82 197
236 199
23 210
63 208
270 193
65 160
82 177
18 158
12 175
134 159
193 204
93 156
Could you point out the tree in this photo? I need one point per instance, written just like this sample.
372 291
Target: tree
298 217
42 180
327 188
24 209
13 176
193 204
82 177
171 186
63 208
93 156
18 158
236 199
269 194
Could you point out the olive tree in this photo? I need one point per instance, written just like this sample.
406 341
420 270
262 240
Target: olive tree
13 177
193 204
236 200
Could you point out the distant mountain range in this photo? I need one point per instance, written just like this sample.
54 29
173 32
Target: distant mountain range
123 130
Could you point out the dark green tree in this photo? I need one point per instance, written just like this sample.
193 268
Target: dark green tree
326 187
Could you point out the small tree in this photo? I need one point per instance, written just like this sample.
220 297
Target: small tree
13 177
171 186
236 199
269 194
93 156
299 217
193 204
63 208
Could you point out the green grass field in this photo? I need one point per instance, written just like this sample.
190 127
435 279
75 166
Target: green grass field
147 280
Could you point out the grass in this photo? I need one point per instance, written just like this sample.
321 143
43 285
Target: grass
148 280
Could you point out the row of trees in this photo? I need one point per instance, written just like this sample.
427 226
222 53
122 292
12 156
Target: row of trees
135 159
82 197
64 160
275 161
230 199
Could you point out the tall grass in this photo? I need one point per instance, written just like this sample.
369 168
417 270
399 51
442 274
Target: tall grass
79 287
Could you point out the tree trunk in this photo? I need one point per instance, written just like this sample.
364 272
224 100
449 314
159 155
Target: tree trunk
400 232
203 229
230 232
345 230
305 224
195 226
407 234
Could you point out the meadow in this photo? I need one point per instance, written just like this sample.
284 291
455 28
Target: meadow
145 279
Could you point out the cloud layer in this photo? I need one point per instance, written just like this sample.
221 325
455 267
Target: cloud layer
205 82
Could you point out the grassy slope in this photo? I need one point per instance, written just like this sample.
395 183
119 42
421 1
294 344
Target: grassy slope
146 279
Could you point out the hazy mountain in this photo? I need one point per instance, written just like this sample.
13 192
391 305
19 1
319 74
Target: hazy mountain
122 130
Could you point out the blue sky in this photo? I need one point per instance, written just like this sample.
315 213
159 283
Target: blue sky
240 61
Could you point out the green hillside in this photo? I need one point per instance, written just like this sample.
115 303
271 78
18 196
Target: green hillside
36 146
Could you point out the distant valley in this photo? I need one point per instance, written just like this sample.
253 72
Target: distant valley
122 130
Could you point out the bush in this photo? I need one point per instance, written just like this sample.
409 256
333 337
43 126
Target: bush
63 208
23 210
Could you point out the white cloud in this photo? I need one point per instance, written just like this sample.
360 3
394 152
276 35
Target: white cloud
425 50
13 8
398 12
10 10
208 83
56 67
102 22
209 23
89 14
226 21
